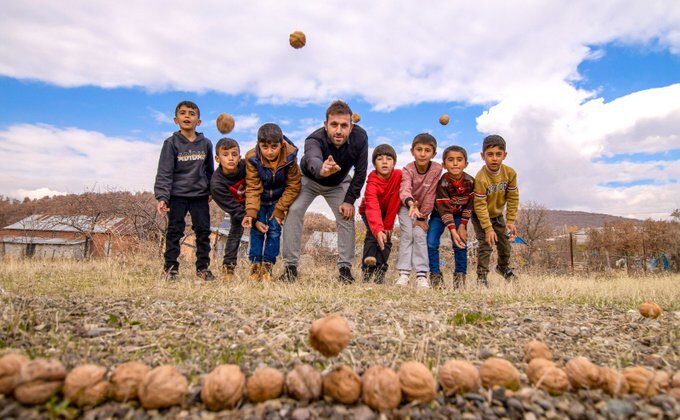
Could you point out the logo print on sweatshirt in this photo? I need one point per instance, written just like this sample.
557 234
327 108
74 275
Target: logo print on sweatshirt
191 155
501 186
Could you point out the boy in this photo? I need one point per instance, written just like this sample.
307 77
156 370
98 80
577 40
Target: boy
378 210
183 185
455 198
495 185
272 184
417 193
228 189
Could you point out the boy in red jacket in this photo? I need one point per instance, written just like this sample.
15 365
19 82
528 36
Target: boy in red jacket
378 210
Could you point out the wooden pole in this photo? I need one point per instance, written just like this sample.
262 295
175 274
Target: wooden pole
644 256
571 251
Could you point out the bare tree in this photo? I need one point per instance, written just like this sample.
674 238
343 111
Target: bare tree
533 226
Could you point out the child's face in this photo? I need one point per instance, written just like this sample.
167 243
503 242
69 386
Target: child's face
422 153
270 151
384 165
228 158
493 158
455 163
187 118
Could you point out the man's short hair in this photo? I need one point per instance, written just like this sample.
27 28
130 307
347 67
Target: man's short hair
190 105
425 138
459 149
384 150
338 108
269 133
226 143
493 140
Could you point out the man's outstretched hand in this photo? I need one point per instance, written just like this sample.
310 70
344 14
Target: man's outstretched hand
329 167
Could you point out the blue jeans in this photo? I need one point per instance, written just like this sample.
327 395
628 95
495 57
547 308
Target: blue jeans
264 247
437 227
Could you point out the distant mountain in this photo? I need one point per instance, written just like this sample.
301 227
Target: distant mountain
582 219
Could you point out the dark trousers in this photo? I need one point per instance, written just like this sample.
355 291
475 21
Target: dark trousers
484 251
233 242
199 210
371 249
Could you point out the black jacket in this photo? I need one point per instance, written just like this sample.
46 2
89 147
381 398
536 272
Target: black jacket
184 167
354 153
229 191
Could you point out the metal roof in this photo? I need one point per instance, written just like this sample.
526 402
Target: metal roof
40 241
79 223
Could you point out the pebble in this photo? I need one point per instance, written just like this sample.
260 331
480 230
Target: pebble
576 410
545 404
620 408
301 413
515 404
529 416
474 397
96 332
363 413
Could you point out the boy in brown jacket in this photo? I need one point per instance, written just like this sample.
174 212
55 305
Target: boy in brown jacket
272 184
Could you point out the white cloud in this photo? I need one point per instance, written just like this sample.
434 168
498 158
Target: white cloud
33 194
388 54
160 117
44 157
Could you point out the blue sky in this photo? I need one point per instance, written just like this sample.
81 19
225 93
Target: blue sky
588 99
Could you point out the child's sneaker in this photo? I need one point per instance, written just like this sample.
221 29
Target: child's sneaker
506 273
255 271
402 280
205 274
437 280
458 280
228 271
171 274
266 271
422 283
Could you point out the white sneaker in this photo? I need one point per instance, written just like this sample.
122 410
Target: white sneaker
402 280
422 283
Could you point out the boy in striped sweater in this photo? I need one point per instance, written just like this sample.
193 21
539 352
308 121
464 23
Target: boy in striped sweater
495 186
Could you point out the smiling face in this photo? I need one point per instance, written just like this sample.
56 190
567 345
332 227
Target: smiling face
493 158
187 118
228 158
338 127
423 154
270 151
384 165
455 163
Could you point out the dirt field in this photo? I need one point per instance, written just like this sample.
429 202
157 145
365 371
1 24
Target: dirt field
111 312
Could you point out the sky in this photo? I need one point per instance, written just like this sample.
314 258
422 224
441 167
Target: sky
586 94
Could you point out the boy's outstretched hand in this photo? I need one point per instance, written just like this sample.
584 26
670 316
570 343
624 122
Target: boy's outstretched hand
462 232
513 231
247 222
162 207
329 167
457 240
491 237
413 210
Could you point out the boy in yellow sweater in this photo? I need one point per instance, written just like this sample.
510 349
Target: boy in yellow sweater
495 186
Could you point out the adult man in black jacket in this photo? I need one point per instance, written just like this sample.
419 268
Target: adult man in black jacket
330 153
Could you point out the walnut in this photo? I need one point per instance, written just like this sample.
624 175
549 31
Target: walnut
162 387
125 380
265 384
225 123
342 384
297 40
675 381
417 382
10 370
583 373
223 387
444 119
645 382
499 372
380 388
613 382
675 393
534 349
304 383
39 380
86 385
329 335
546 375
650 310
459 377
356 118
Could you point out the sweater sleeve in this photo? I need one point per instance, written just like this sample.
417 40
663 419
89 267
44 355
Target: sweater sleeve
512 198
209 162
166 168
392 206
313 158
373 213
443 203
225 199
429 195
254 190
354 190
290 193
481 206
405 192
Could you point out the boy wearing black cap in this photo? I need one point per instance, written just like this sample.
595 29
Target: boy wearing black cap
378 210
495 186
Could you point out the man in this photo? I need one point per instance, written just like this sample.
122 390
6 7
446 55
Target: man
330 153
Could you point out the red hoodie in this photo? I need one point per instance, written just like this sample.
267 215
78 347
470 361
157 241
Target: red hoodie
381 201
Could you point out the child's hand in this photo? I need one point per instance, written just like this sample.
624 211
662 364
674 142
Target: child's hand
413 209
381 237
491 237
261 227
247 222
329 167
513 230
457 240
347 211
162 207
279 221
422 224
462 232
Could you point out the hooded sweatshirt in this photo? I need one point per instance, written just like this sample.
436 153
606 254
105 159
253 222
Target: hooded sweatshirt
352 154
229 191
184 167
381 201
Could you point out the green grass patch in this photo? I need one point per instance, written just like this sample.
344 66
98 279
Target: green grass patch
468 317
